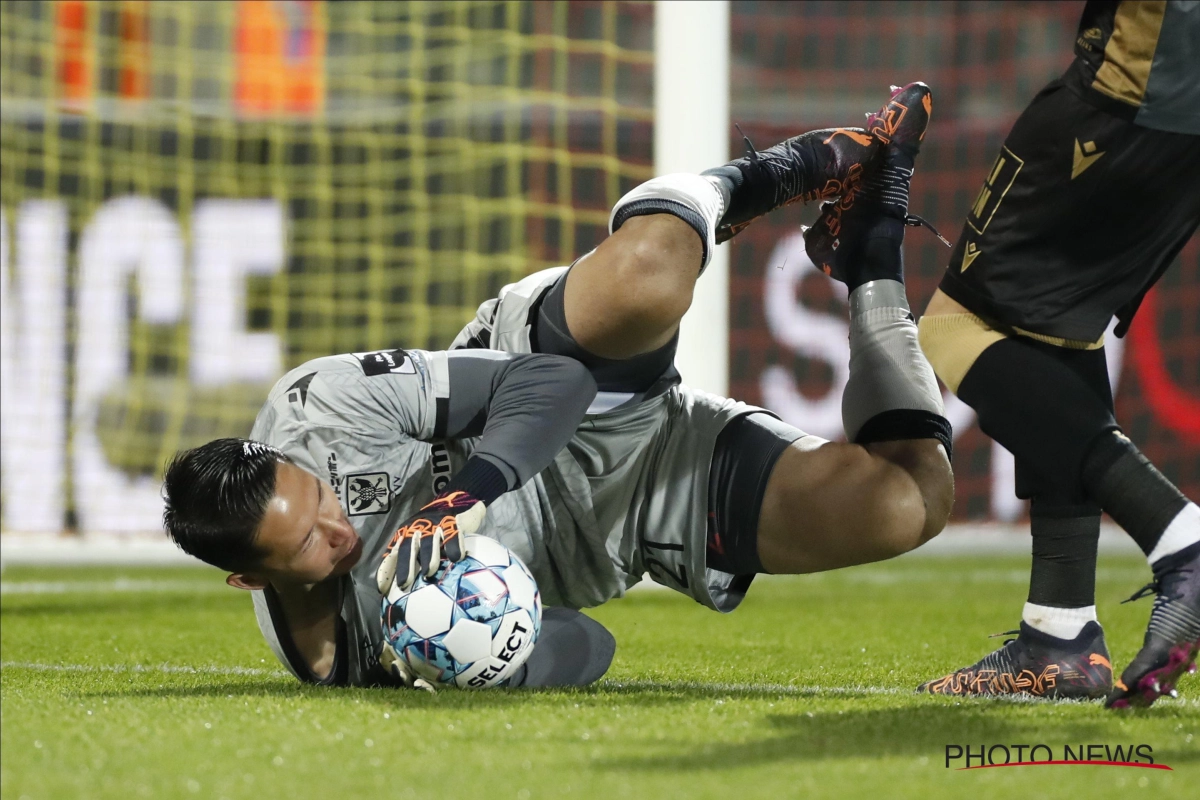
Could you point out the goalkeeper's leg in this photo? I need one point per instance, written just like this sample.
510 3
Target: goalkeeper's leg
784 502
821 505
889 489
626 298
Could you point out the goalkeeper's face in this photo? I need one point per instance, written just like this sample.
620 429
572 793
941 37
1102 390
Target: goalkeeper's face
305 534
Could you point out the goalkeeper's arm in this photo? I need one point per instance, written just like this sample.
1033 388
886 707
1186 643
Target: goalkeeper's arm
524 408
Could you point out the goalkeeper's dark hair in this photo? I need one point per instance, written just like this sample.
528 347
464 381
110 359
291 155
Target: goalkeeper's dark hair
216 496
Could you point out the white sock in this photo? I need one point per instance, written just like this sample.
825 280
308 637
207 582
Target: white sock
1183 531
1064 623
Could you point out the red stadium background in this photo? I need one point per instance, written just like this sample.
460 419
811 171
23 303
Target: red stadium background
797 66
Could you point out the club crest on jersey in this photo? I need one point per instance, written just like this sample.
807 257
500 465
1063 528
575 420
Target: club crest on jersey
382 362
368 493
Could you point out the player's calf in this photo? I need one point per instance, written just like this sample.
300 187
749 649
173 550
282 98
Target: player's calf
839 505
892 492
925 463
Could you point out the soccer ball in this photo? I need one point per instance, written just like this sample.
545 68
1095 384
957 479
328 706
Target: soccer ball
473 624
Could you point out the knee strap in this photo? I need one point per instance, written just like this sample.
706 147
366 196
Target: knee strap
693 198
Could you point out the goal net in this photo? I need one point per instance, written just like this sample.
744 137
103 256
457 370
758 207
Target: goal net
199 196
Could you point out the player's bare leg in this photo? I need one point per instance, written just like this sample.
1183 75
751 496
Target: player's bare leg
628 295
838 505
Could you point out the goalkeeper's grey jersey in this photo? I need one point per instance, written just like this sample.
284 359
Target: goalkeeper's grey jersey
626 496
370 424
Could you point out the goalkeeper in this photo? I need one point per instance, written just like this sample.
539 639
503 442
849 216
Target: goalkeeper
557 424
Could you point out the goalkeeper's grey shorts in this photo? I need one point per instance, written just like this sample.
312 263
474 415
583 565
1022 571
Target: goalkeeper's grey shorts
635 476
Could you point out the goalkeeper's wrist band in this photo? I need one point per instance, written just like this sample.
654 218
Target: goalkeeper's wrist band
479 478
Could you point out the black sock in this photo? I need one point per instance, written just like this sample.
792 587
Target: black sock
1044 404
1133 492
1065 536
884 197
878 254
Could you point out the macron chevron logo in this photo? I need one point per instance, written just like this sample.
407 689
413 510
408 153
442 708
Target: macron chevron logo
1085 156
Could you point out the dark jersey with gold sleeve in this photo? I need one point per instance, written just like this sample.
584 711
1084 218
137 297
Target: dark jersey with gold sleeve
1093 194
1140 60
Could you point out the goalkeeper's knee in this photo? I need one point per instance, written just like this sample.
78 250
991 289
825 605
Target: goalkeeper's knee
695 199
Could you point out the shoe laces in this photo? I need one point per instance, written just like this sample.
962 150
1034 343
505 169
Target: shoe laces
751 153
1150 588
1168 585
1007 642
789 182
1176 613
888 186
913 221
1000 659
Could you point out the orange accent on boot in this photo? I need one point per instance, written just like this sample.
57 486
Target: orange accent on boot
885 126
860 138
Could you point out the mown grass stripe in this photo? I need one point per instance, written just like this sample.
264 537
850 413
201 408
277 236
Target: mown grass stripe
170 669
101 587
748 688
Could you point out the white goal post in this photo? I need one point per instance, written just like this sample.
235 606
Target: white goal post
691 134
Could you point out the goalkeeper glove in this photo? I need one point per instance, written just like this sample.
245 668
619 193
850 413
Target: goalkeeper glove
391 661
437 532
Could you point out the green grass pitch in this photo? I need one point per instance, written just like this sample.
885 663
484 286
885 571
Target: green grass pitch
130 683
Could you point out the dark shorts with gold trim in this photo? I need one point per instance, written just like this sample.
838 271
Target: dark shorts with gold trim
1078 217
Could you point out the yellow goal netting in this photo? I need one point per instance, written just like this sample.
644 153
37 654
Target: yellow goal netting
202 195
